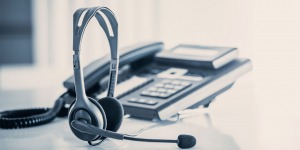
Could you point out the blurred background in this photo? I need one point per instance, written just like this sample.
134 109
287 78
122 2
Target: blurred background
36 46
36 35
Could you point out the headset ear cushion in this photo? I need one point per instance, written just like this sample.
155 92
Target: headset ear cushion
114 112
96 118
98 106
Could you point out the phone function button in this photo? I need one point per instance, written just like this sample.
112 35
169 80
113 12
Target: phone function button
133 100
170 91
162 90
142 101
164 95
159 85
166 81
145 93
185 83
175 82
169 86
152 89
151 102
154 94
178 87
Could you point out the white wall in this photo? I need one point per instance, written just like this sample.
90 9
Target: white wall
214 22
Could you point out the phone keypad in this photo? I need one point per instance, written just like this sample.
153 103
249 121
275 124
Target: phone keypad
165 88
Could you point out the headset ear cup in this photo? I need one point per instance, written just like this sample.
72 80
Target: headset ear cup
85 136
114 112
101 110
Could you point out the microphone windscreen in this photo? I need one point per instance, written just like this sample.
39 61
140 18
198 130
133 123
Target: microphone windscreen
186 141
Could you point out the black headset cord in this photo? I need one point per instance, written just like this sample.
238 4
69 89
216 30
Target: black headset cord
23 118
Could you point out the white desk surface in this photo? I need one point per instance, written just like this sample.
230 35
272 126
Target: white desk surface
233 121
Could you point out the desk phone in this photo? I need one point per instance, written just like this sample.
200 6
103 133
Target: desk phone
151 87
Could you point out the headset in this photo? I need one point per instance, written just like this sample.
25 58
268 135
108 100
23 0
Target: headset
92 120
107 113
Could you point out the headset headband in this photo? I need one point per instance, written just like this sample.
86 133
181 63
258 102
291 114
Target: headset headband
78 31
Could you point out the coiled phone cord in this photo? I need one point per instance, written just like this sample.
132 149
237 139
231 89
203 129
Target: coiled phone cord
23 118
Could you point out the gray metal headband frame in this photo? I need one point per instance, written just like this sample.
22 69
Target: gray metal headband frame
78 32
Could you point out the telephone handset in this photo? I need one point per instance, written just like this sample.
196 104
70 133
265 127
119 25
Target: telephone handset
98 69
